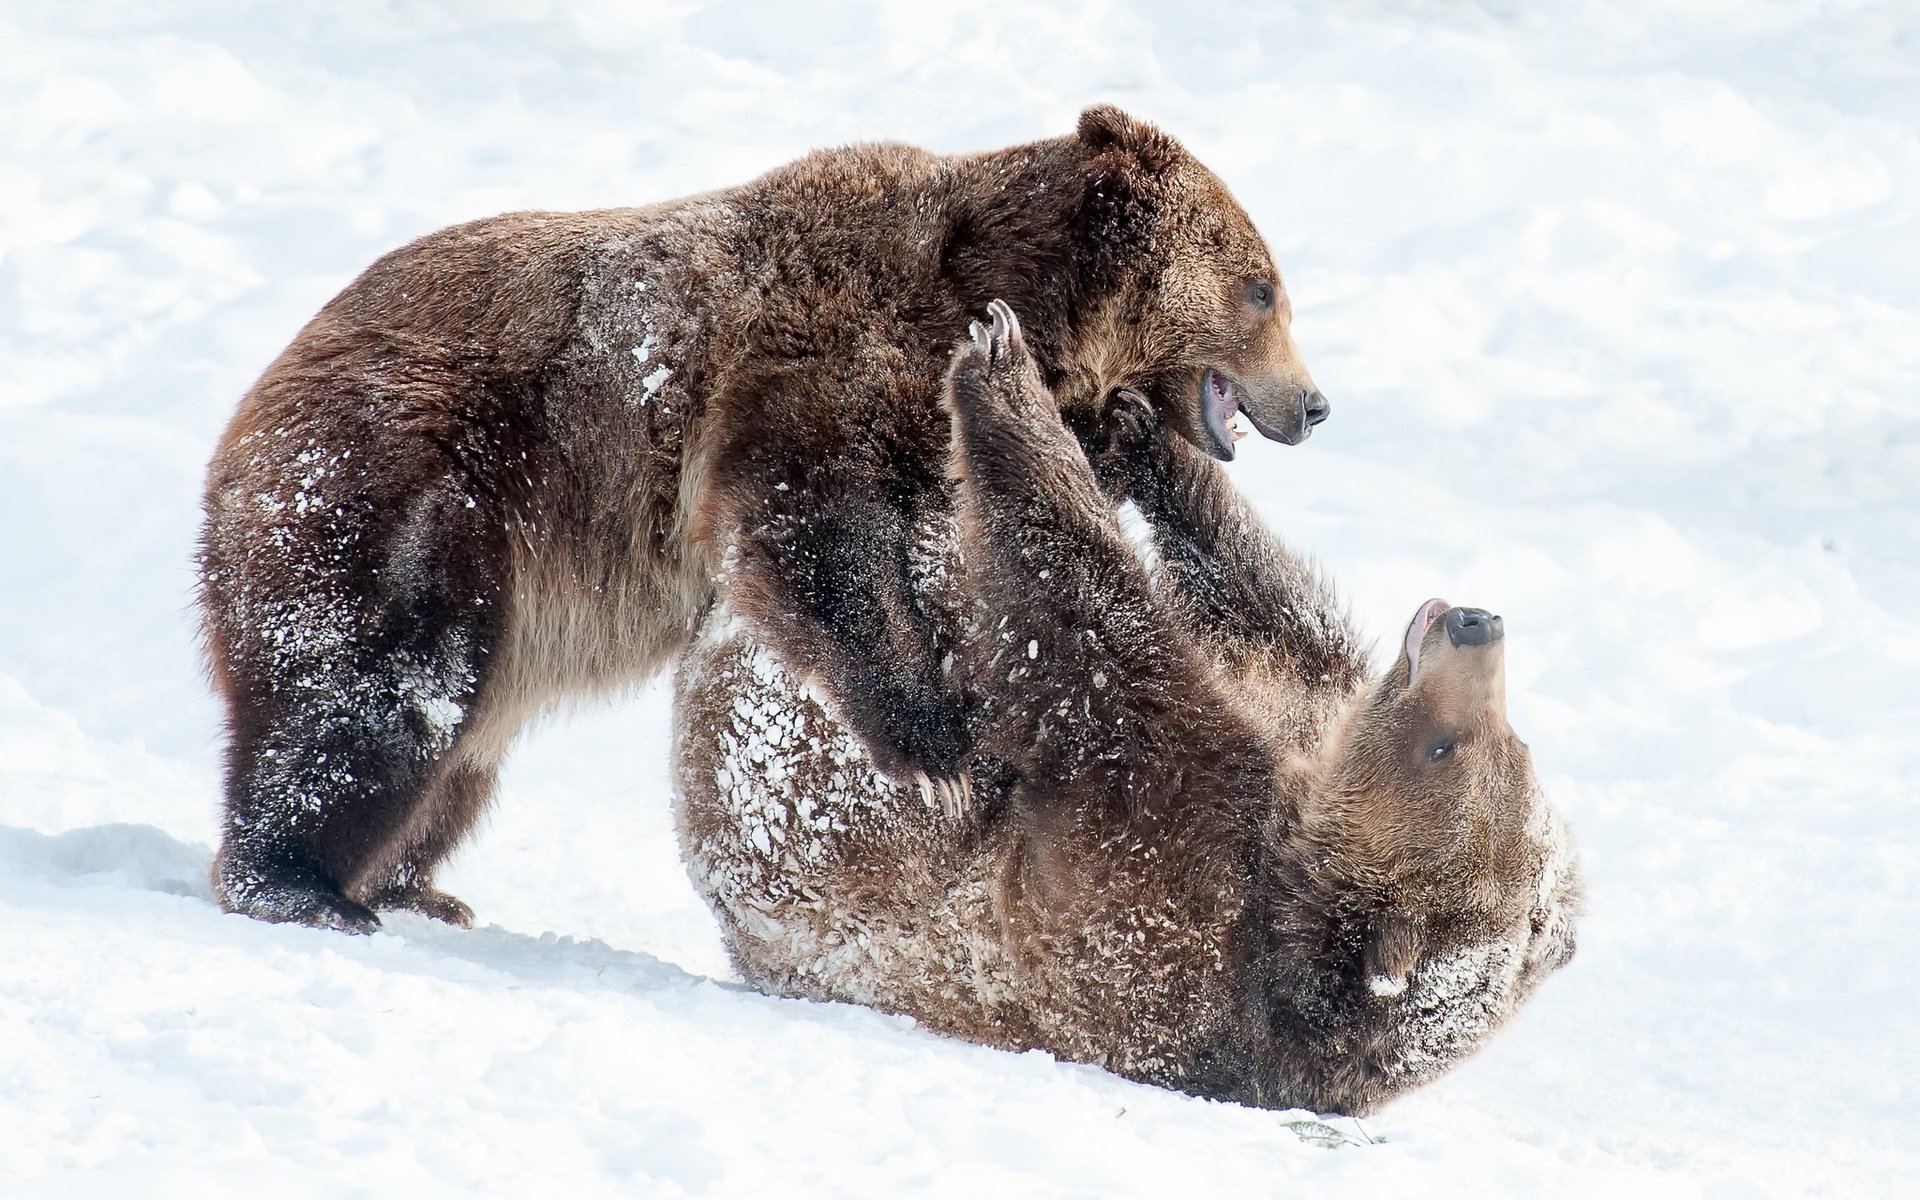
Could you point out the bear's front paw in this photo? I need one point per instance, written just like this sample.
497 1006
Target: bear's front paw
922 743
1121 447
1133 421
1001 341
954 793
258 893
427 901
993 372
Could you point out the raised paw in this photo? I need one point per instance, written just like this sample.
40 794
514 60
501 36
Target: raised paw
1132 418
1000 339
1120 444
993 369
1005 336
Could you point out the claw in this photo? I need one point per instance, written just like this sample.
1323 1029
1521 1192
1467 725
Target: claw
956 796
925 785
978 333
1006 326
1132 422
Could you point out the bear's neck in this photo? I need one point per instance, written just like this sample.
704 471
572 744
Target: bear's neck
1016 231
1322 885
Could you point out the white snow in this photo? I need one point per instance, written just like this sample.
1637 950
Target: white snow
1616 305
652 382
1386 985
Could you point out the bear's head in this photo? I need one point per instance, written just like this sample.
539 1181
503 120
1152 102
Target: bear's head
1190 311
1425 794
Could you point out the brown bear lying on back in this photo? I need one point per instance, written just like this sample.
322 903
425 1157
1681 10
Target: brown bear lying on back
506 466
1214 854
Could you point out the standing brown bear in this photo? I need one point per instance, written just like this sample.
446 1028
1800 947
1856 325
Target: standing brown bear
510 462
1213 851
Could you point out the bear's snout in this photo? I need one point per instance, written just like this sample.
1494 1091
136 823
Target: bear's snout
1473 627
1316 407
1285 412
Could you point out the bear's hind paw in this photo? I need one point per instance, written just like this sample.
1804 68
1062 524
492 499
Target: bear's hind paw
428 902
292 902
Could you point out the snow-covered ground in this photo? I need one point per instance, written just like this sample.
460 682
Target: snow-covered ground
1619 311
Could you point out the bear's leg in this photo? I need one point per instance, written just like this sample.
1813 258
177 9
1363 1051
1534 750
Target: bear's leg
1012 443
442 822
329 788
824 575
1081 667
1234 585
348 676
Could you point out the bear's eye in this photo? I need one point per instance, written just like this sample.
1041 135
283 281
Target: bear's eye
1260 293
1441 749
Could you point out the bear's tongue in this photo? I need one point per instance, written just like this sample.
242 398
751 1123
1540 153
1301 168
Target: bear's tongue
1417 628
1226 405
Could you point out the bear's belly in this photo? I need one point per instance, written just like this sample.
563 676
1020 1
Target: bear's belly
830 881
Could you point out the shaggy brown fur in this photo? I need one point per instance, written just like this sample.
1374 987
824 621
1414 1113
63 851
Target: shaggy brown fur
1214 854
509 463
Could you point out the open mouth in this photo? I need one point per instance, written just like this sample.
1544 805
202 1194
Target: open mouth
1223 402
1428 615
1220 412
1466 629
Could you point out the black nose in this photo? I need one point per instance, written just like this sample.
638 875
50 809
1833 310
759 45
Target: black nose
1316 408
1473 627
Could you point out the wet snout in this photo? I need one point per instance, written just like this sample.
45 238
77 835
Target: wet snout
1465 669
1473 627
1284 407
1265 379
1283 411
1317 408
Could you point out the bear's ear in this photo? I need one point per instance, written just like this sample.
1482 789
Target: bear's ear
1106 130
